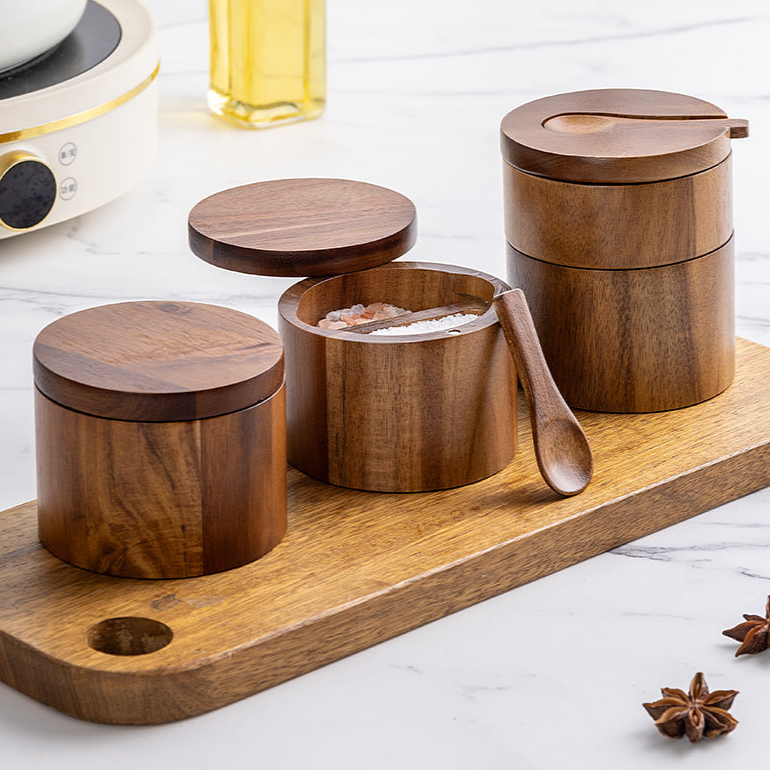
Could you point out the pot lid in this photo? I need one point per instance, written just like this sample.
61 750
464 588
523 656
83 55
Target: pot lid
302 227
158 361
617 136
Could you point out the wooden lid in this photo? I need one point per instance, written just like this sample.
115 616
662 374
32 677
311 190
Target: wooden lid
302 227
158 361
617 136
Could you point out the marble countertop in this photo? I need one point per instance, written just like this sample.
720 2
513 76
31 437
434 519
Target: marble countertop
554 672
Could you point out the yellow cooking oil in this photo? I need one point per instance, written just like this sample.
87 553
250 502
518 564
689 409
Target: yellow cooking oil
268 60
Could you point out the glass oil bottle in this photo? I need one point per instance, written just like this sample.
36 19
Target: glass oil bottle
268 60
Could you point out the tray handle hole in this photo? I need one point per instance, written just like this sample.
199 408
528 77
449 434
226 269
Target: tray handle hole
129 636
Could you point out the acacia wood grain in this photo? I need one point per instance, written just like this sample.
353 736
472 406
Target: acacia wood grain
617 136
302 227
356 568
160 500
397 414
158 361
634 340
614 227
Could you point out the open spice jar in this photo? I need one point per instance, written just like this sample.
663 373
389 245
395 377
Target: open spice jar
392 414
161 449
618 221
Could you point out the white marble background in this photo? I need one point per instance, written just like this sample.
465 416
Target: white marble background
550 674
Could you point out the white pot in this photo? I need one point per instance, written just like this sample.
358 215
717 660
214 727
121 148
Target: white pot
30 27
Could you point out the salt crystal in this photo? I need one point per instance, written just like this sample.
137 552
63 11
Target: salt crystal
358 314
325 323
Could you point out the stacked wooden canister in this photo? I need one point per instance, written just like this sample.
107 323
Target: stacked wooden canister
618 221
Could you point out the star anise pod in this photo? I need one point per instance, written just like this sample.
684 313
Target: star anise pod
695 715
754 633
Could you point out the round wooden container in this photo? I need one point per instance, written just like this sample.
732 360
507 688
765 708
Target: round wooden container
398 414
390 414
618 219
160 439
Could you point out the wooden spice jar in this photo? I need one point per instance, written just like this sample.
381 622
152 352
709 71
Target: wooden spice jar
160 439
390 414
618 221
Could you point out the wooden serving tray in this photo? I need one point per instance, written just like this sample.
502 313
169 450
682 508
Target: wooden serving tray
358 567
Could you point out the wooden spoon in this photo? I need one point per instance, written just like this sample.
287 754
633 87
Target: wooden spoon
561 447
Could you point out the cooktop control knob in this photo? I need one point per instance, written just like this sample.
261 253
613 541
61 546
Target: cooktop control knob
27 190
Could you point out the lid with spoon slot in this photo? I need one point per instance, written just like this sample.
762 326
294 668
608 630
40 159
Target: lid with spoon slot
617 136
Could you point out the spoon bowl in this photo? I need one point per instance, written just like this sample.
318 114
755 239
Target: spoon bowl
564 456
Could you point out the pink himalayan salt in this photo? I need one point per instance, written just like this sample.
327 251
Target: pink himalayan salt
358 314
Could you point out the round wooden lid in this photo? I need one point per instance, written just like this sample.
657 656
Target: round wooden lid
158 361
302 227
617 136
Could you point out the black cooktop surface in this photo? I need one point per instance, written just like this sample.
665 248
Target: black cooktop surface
94 38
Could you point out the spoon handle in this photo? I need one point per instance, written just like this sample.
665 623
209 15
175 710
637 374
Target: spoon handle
546 405
545 401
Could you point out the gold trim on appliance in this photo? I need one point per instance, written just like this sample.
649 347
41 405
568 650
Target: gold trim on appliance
7 162
81 117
